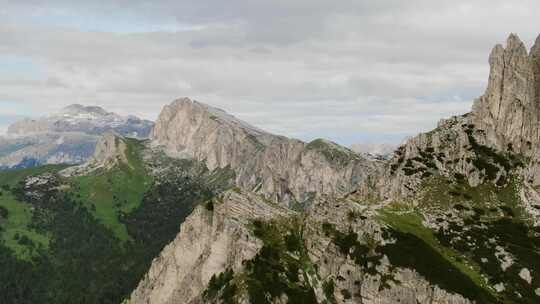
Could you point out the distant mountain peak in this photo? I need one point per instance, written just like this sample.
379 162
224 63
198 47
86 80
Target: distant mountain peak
75 109
84 119
69 136
214 113
275 165
375 150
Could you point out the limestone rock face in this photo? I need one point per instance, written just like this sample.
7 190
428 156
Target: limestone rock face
347 275
212 241
209 242
486 144
281 168
535 57
509 110
495 145
110 151
445 151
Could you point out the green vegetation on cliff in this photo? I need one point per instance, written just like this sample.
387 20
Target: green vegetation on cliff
277 268
92 238
108 193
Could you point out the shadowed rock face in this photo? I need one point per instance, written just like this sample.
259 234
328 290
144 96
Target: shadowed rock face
281 168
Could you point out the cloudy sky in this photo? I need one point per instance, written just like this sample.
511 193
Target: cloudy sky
351 71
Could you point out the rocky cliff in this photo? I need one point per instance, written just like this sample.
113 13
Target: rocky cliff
110 152
496 140
284 169
509 110
241 248
451 218
238 246
214 238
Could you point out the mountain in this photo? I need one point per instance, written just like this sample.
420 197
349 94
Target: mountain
374 150
85 119
67 137
90 232
212 210
283 169
509 109
451 217
495 143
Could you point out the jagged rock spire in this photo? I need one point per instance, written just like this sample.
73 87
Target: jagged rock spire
509 110
535 57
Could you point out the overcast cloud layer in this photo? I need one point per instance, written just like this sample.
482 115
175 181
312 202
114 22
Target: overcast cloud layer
346 70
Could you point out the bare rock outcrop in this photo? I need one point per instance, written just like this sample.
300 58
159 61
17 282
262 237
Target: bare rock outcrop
211 240
509 110
494 144
214 240
500 134
110 151
283 169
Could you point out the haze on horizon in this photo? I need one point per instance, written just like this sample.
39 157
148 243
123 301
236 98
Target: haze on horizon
363 71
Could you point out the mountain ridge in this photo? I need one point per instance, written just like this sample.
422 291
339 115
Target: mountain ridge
67 137
92 120
474 170
212 210
286 170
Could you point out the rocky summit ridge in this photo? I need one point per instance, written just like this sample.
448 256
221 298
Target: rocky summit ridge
213 210
509 110
496 143
285 170
110 151
429 225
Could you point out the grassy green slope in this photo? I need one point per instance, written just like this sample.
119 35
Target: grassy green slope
478 220
439 264
92 238
12 177
16 231
107 193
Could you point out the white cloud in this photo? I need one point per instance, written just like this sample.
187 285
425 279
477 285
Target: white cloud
351 70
